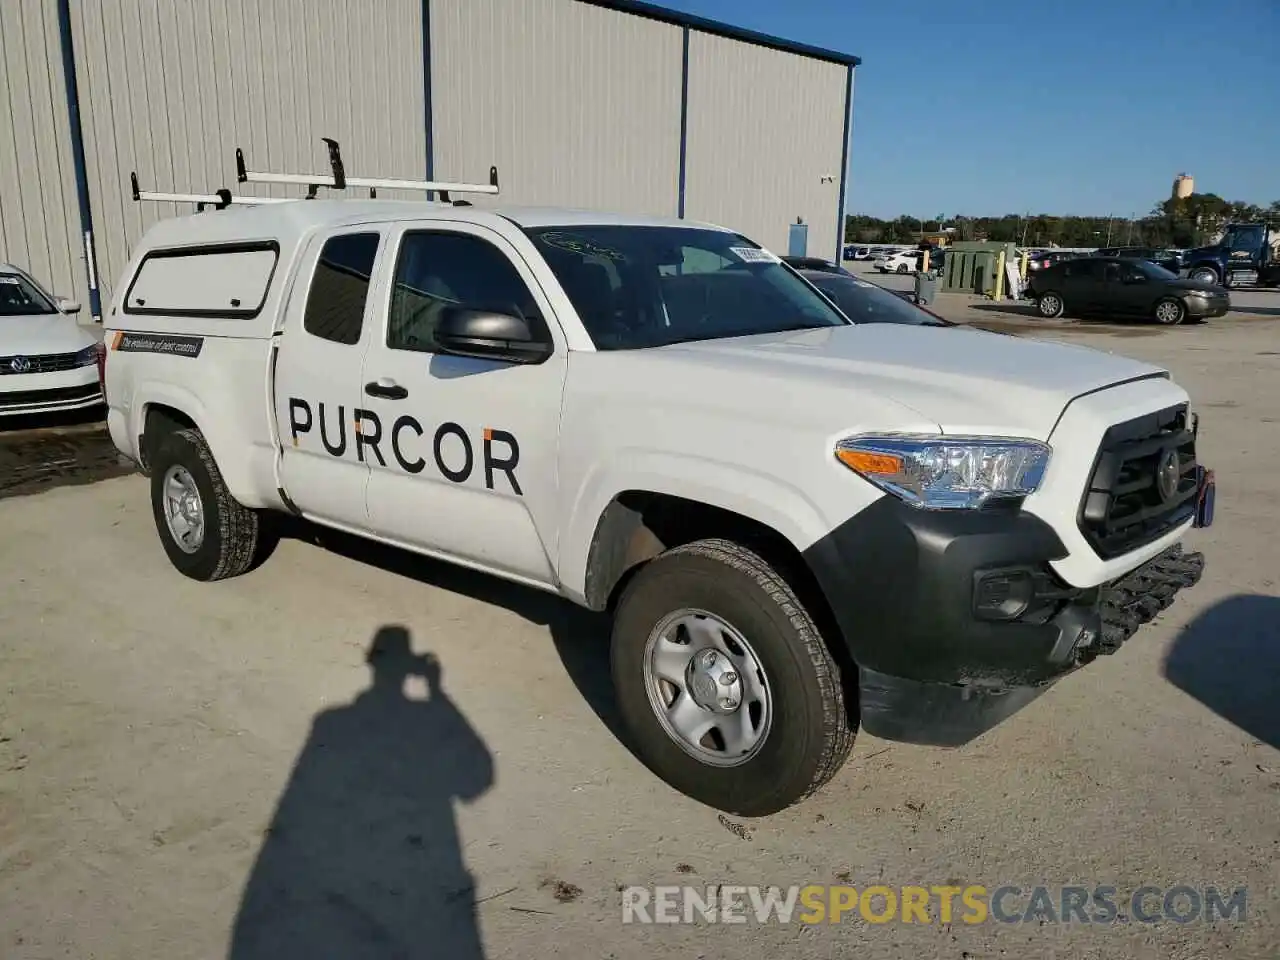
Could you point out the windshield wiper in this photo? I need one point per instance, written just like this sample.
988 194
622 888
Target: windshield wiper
741 333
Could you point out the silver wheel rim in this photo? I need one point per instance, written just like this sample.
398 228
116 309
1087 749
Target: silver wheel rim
1168 312
707 688
183 509
1050 305
1205 276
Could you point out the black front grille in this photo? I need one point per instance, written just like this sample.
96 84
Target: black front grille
48 363
1123 507
22 398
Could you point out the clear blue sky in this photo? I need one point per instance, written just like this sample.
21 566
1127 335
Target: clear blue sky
984 107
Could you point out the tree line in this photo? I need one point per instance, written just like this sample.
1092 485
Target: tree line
1177 222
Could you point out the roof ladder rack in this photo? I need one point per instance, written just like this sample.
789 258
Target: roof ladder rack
338 179
219 199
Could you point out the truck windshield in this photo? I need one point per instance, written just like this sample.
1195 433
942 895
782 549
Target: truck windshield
18 298
1243 238
637 286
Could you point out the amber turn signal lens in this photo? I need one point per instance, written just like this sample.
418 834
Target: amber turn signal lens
879 464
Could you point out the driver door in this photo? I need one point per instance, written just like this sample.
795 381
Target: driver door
1133 291
462 451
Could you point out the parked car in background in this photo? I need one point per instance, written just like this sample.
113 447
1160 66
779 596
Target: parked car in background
860 253
907 261
864 302
1044 259
48 362
1125 288
1163 258
1245 255
816 263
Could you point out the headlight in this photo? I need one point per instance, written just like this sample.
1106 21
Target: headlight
947 473
87 357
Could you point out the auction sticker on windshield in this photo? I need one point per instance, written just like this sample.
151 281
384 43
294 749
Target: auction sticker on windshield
754 255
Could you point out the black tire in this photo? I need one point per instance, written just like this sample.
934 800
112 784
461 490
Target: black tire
1170 312
1050 304
1205 275
811 732
231 531
902 268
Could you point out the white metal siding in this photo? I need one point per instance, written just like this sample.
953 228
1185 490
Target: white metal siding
765 128
170 89
576 105
39 215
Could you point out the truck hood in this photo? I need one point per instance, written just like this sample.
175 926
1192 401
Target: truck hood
967 381
39 334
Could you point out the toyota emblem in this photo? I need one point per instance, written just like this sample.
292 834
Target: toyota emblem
19 364
1168 473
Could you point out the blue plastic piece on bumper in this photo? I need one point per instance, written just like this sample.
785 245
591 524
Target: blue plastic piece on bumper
1207 498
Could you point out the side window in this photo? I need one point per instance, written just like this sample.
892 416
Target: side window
340 287
1111 272
227 281
435 271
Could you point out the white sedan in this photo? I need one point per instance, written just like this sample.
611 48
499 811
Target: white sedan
907 261
48 362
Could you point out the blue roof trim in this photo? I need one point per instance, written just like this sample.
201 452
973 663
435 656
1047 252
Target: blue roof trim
652 11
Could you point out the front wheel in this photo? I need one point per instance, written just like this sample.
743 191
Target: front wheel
1050 305
1170 312
206 533
902 268
728 691
1205 275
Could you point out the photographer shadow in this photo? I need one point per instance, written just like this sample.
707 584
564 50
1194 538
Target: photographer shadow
362 857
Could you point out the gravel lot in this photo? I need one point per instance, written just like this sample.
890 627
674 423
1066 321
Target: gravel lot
171 753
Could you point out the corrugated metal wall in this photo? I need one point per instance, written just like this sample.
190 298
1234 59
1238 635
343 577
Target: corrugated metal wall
765 129
170 88
576 105
39 219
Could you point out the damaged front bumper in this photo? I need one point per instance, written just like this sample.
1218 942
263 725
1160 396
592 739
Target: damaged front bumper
1097 623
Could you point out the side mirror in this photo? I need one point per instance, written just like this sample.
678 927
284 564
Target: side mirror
67 306
1136 278
489 335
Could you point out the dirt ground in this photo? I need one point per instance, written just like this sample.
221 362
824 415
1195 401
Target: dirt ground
353 752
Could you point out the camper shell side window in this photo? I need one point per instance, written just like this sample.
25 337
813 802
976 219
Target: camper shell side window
227 281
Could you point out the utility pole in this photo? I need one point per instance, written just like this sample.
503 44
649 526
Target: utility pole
1108 243
1026 222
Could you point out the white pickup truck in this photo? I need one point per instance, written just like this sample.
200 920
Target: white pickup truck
804 518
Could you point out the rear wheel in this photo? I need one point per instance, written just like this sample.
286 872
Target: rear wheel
1205 275
724 683
1170 312
902 268
1050 304
206 533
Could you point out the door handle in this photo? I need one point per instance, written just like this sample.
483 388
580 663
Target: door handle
386 389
